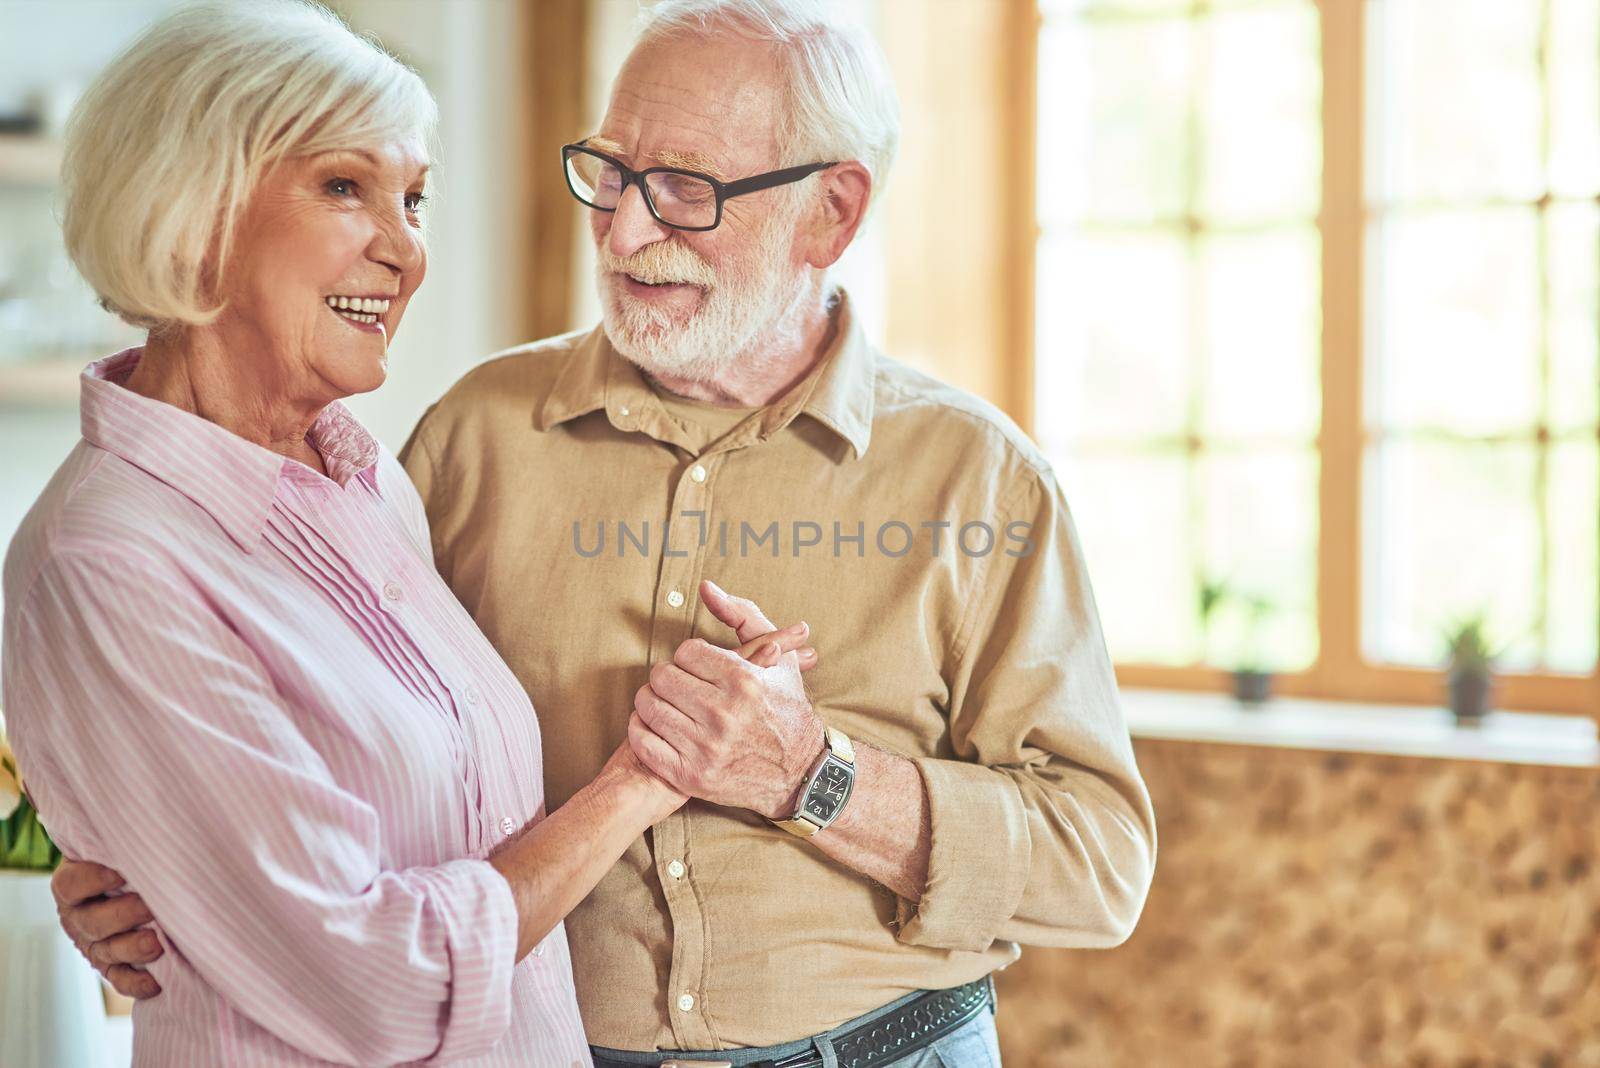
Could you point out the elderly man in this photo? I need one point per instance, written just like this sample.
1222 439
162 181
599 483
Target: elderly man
957 777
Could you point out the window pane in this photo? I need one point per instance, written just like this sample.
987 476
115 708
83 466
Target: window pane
1132 515
1456 320
1574 503
1456 532
1575 97
1112 346
1177 298
1457 107
1260 521
1573 233
1262 316
1112 119
1262 154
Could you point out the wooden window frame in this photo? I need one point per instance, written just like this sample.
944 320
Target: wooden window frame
1341 670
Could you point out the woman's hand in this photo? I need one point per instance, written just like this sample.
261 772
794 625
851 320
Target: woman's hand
655 798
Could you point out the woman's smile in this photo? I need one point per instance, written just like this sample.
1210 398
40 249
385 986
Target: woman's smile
362 313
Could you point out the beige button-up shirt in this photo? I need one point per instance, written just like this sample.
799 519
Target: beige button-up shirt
928 544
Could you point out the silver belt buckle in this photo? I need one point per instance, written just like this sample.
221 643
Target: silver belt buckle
696 1063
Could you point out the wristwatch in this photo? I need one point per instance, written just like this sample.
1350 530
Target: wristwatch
828 786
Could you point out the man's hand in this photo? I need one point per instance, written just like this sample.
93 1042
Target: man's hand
716 726
109 931
765 650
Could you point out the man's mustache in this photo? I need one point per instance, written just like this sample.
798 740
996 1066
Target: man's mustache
661 262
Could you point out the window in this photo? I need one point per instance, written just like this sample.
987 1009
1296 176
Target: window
1317 316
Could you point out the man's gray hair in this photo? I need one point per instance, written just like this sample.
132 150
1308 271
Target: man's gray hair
842 102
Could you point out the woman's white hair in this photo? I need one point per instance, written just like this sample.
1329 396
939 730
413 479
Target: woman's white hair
167 145
842 103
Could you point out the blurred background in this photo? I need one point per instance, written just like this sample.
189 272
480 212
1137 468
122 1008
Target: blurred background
1303 302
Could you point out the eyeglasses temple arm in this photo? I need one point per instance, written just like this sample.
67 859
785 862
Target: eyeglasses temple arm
770 179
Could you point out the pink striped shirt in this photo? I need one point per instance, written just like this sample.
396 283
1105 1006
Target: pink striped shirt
244 686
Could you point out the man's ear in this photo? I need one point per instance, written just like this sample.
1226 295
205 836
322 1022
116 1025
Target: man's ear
846 189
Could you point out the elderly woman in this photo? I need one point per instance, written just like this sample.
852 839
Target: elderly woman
230 667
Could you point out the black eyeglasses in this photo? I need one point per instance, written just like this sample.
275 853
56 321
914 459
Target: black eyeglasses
683 200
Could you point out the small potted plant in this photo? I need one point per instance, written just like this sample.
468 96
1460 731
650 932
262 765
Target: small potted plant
1252 678
51 1008
1470 675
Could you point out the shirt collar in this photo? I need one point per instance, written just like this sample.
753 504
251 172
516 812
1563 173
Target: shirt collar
838 393
234 480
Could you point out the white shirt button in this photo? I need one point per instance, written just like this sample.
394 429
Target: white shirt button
473 696
393 592
686 1002
538 950
697 473
675 599
508 825
676 869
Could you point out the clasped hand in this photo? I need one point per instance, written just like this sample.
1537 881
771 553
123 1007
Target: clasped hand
725 729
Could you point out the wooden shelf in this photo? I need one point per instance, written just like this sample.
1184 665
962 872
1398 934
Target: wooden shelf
51 383
29 160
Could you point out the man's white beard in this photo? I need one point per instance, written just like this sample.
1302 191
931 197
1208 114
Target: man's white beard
748 311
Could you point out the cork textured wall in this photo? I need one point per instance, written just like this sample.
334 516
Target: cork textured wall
1315 908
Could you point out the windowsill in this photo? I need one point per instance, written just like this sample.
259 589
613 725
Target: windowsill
1504 737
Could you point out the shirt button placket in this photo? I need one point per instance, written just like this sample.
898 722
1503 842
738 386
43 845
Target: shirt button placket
687 964
679 578
682 565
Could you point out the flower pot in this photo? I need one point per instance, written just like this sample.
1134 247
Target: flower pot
1252 687
1469 696
52 1012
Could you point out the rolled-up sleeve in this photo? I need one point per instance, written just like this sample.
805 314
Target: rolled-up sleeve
163 750
1042 828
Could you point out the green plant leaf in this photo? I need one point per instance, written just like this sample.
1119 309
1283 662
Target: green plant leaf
17 826
26 844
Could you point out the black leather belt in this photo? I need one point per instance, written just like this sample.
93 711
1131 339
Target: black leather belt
918 1023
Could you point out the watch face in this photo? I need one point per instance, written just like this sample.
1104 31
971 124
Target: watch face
828 792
